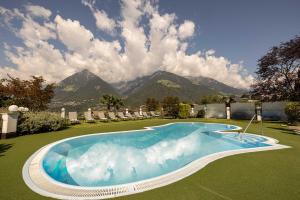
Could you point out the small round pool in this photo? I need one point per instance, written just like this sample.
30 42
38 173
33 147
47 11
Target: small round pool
134 161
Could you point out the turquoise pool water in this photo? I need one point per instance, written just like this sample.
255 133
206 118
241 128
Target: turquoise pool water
126 157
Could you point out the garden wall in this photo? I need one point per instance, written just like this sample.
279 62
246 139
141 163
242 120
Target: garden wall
242 110
270 110
216 110
274 110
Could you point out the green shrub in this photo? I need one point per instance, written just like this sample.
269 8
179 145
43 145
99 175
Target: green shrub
38 122
184 110
201 113
171 106
292 110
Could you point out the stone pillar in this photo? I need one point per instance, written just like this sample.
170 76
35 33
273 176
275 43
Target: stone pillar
126 111
141 111
258 113
10 121
205 110
228 112
9 124
63 113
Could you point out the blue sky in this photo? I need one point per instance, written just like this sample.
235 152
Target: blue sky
231 35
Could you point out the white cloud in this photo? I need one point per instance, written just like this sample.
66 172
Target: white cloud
32 32
162 47
186 29
6 17
38 11
73 34
103 22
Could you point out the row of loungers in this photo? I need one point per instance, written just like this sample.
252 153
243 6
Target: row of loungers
111 116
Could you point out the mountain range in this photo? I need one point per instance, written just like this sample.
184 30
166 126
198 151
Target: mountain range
84 89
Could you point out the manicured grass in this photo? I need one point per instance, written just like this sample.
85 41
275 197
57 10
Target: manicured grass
261 175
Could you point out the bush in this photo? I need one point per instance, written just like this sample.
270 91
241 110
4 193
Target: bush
184 110
201 113
38 122
171 106
292 110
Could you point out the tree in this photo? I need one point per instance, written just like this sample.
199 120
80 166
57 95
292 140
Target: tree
111 101
184 110
292 110
211 99
4 98
278 74
117 103
171 106
34 93
152 104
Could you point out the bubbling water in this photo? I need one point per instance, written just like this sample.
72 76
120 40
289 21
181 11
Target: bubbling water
105 161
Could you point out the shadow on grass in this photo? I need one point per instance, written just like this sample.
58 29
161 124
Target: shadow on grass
4 147
284 130
274 122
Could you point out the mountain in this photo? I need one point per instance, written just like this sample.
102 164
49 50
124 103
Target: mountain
84 89
216 85
159 85
80 91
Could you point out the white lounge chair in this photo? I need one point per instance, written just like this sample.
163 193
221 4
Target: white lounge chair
129 116
112 116
152 113
88 117
73 118
137 115
121 116
102 116
146 115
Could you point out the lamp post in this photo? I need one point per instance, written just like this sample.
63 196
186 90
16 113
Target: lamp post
141 111
227 105
63 113
258 113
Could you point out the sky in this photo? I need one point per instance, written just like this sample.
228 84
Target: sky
120 40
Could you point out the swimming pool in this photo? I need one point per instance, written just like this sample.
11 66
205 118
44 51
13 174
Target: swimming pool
119 163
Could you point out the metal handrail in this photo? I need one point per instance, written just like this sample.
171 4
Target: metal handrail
247 126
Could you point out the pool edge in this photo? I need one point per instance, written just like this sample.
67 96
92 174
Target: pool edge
131 188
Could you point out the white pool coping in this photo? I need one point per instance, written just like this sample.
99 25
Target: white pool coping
37 180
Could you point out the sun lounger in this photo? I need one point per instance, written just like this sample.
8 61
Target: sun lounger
112 116
121 116
146 115
73 118
102 116
137 115
152 113
88 117
129 116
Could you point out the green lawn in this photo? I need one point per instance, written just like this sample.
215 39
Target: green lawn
261 175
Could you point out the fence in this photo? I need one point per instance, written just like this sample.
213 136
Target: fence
215 110
242 110
270 110
274 111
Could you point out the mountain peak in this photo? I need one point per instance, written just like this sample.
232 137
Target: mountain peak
87 73
161 72
81 91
